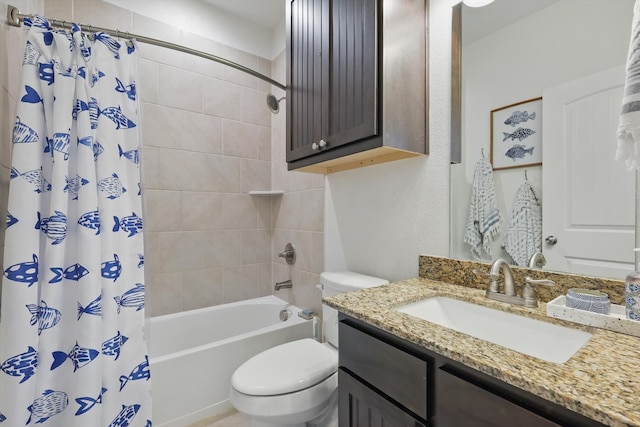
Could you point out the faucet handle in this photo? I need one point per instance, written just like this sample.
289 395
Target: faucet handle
493 279
529 294
546 282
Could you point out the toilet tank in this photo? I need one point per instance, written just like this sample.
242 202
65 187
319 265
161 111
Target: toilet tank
338 282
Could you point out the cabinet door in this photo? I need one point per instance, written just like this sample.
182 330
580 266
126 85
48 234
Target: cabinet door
307 75
353 87
461 403
360 406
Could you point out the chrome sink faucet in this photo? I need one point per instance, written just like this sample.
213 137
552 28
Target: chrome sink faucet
537 260
528 298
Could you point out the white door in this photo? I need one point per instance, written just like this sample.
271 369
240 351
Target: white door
588 196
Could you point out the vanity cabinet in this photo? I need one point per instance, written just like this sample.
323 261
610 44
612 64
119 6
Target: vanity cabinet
356 83
385 380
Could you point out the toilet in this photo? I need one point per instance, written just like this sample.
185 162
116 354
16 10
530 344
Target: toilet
296 384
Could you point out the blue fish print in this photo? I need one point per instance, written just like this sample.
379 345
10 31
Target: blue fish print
130 90
134 297
112 346
90 220
131 224
54 227
37 21
31 54
519 117
46 317
94 308
132 155
130 48
48 38
32 96
86 403
21 365
112 186
111 269
79 107
74 272
23 134
61 143
2 417
140 260
25 272
11 220
73 185
125 416
111 43
95 146
519 134
34 177
48 146
95 75
94 112
80 356
140 372
46 72
46 406
116 115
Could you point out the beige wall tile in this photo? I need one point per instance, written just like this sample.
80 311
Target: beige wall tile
254 107
165 294
239 139
7 121
151 254
222 174
201 211
243 58
265 216
161 126
311 210
240 283
180 251
147 84
202 133
149 167
256 175
222 248
256 246
163 209
202 288
179 170
221 99
59 9
265 285
180 89
239 211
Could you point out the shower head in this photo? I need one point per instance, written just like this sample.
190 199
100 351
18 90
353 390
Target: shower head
273 103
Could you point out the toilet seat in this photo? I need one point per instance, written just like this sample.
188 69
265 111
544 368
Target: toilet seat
285 369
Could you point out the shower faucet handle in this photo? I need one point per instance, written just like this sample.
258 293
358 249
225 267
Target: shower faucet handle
289 254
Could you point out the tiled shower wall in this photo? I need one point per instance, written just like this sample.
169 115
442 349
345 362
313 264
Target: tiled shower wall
208 140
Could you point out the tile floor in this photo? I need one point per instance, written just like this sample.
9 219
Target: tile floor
229 419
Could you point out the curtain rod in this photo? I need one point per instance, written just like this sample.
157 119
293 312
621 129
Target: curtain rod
15 18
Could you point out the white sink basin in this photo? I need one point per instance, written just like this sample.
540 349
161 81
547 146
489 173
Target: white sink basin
546 341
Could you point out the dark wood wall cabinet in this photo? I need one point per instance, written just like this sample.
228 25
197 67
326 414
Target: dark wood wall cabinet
356 83
387 381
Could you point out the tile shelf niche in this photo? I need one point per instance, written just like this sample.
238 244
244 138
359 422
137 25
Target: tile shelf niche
266 193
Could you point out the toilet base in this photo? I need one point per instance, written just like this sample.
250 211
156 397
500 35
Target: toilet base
328 418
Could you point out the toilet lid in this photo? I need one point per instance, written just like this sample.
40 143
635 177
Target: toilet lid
286 368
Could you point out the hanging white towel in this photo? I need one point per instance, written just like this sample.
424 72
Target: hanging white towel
629 123
524 233
483 221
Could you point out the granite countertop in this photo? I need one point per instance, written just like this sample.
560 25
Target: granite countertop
601 381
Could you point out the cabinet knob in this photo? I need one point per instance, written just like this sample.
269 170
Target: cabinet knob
319 146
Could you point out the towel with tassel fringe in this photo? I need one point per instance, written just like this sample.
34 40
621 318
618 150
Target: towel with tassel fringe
483 221
629 123
524 233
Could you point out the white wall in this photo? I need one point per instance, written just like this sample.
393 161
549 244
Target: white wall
379 219
212 23
555 45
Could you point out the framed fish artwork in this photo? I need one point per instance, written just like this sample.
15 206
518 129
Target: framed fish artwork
516 135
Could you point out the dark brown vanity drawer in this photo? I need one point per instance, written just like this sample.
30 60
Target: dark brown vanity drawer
399 375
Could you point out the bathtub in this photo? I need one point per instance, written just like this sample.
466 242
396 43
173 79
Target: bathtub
194 353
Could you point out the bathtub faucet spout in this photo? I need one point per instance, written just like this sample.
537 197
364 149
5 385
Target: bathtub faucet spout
285 284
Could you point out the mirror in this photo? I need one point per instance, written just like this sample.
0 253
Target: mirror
517 50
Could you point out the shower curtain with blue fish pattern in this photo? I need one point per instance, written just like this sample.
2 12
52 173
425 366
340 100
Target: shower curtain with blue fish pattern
72 347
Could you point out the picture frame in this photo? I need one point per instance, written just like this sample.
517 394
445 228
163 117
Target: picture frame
516 135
